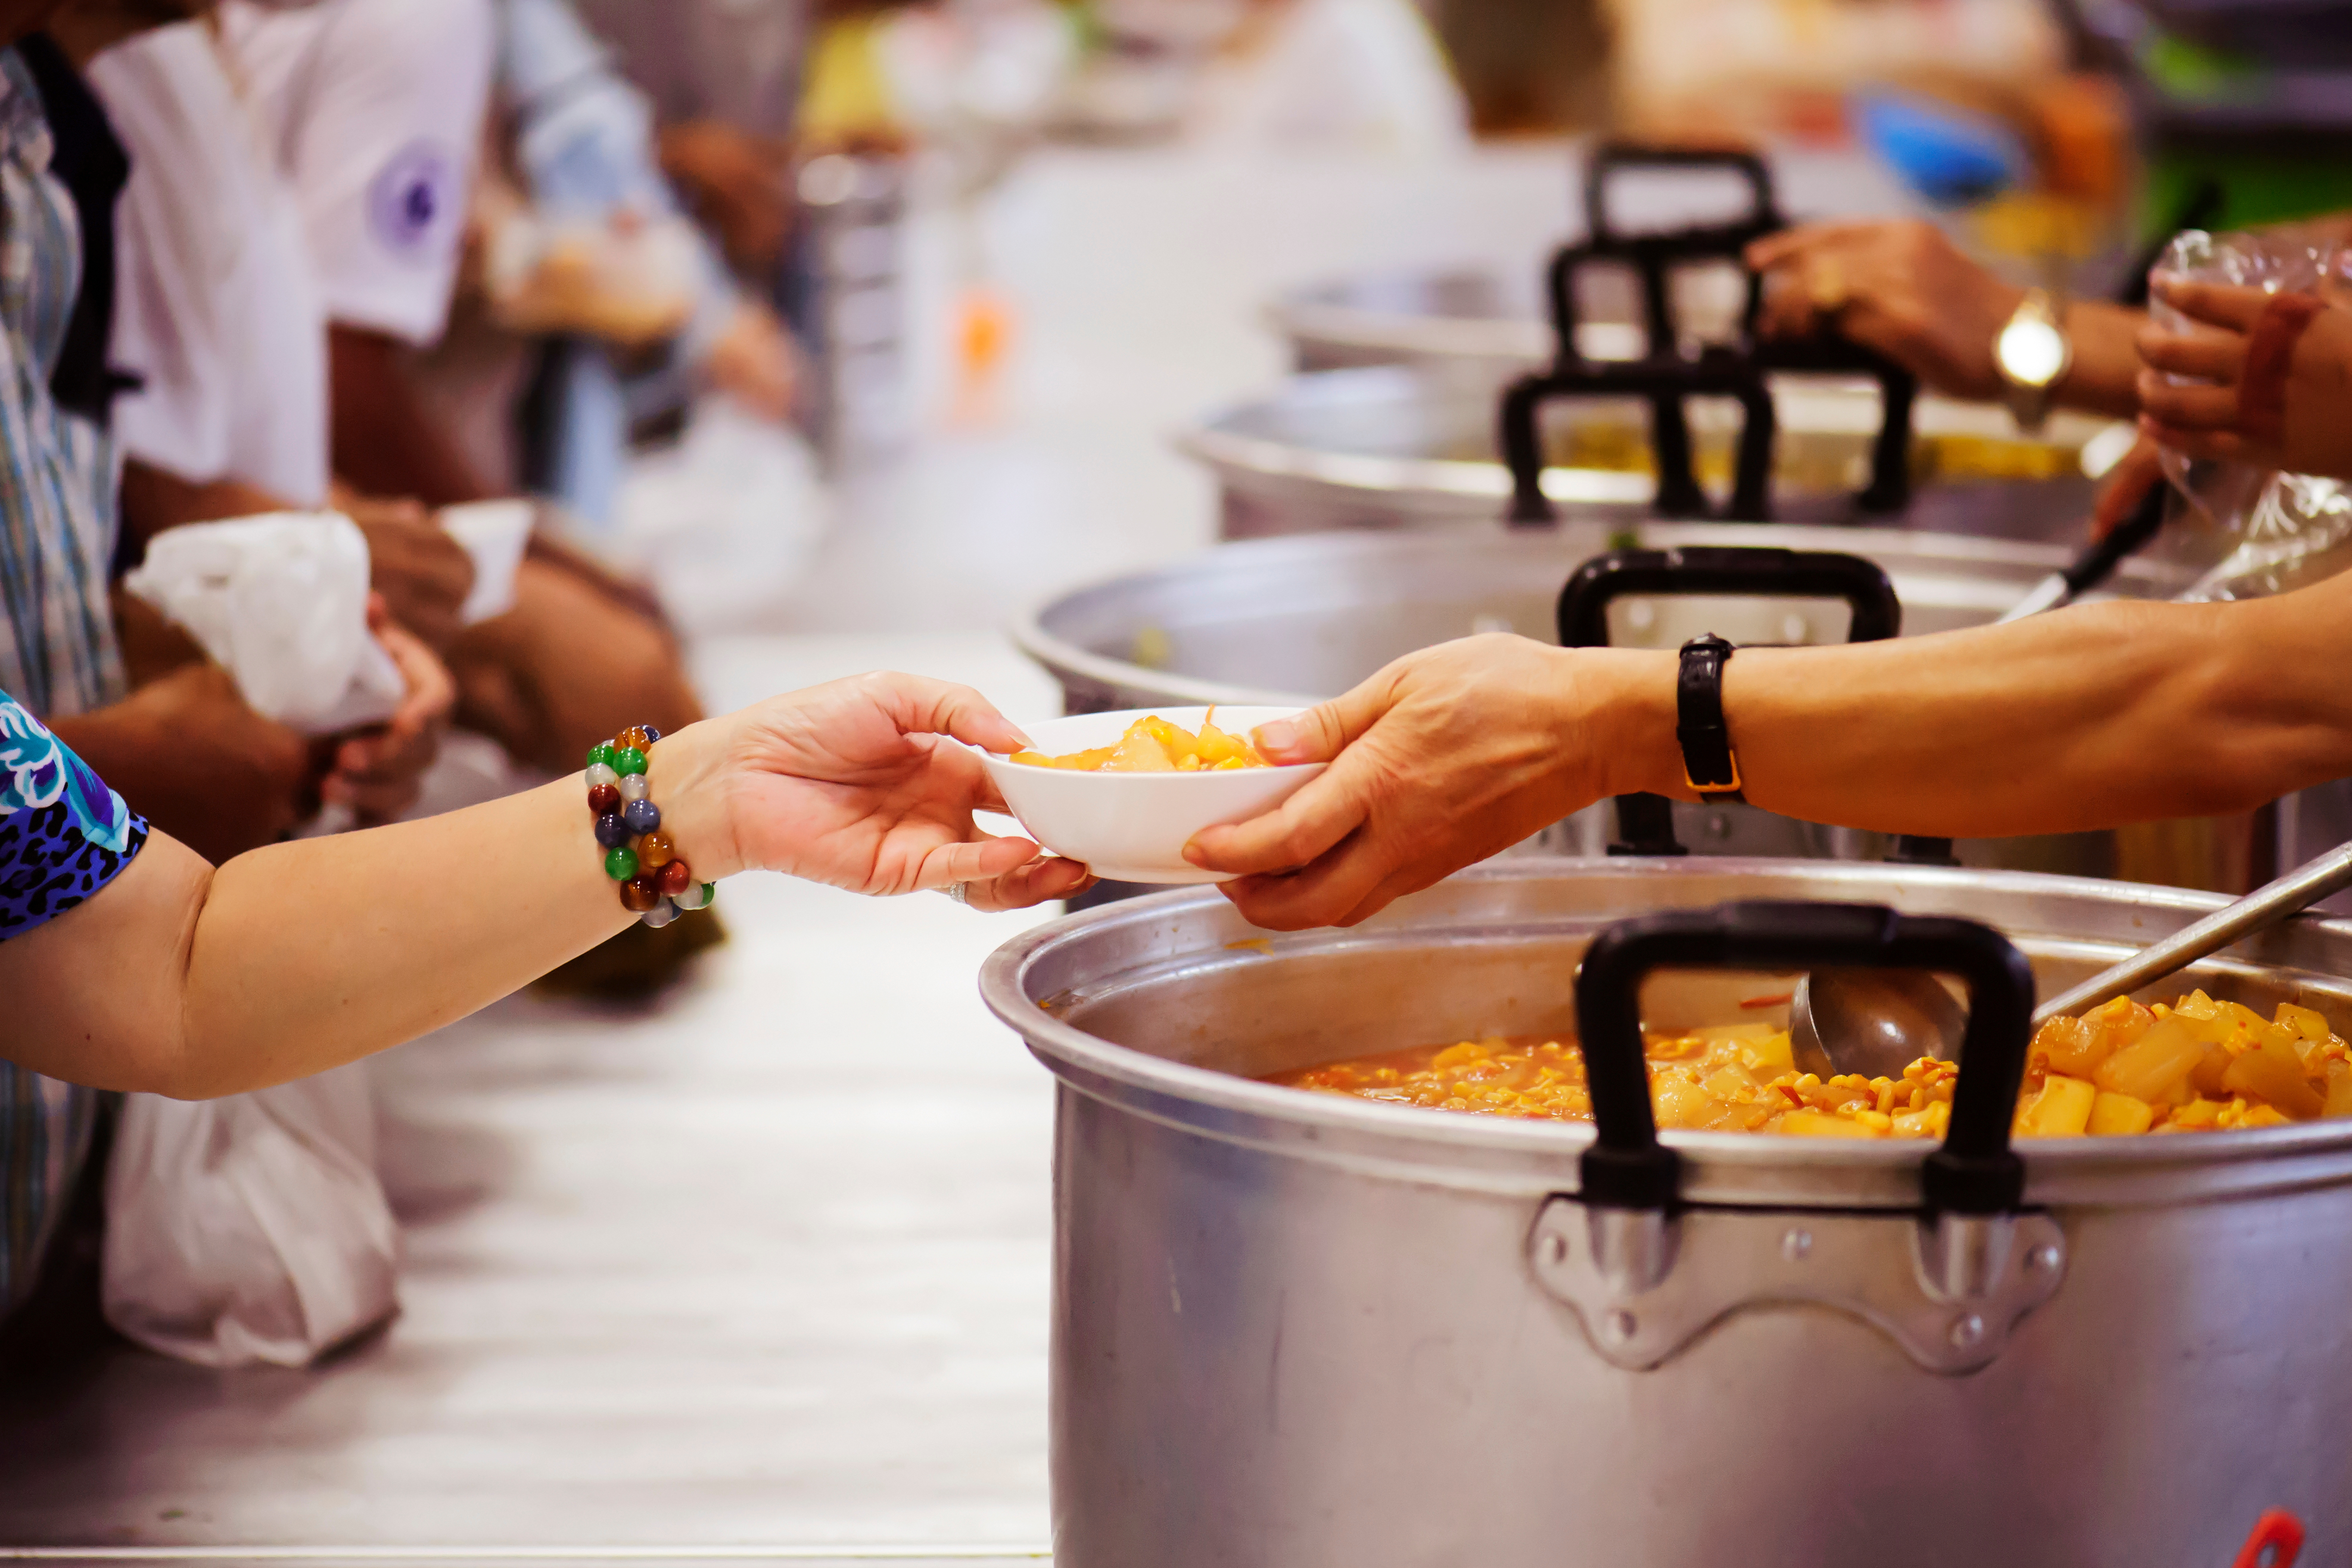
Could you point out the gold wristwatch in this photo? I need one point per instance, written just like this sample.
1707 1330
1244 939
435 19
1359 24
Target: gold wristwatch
2033 353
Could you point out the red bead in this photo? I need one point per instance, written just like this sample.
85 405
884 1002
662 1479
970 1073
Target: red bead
639 893
674 878
603 799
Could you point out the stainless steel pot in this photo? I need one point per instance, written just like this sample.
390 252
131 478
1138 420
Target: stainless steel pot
1297 1330
1282 621
1397 446
1479 321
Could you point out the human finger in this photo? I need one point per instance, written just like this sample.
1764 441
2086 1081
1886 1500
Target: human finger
1775 250
2211 445
1323 812
2211 355
1787 311
2141 470
1321 893
923 706
432 690
2187 406
1041 881
1319 734
975 860
2231 305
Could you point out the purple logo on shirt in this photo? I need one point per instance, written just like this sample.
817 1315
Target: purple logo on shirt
413 200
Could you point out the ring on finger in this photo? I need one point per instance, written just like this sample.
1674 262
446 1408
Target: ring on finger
960 891
1825 286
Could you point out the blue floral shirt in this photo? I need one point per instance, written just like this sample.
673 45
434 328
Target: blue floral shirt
63 834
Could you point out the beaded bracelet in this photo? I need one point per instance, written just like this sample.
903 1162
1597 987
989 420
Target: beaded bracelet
655 880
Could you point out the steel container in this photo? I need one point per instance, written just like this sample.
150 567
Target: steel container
1397 446
1294 621
1481 320
1303 1330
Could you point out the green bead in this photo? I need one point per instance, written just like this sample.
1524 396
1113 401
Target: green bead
628 759
621 864
601 751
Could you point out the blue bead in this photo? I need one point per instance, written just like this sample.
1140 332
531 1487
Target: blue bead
652 734
642 815
611 831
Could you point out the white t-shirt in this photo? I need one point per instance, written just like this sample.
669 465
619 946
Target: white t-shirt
217 307
374 110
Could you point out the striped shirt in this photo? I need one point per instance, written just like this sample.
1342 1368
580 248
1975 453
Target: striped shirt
57 653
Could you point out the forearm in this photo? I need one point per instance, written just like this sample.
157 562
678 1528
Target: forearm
405 929
156 498
2106 358
2084 719
183 980
386 441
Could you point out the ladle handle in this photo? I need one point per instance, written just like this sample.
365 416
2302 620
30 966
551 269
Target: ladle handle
1975 1172
2098 561
2258 911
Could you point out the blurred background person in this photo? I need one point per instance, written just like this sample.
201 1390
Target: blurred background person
373 110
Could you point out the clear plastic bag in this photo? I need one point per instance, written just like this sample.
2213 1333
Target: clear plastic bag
2279 531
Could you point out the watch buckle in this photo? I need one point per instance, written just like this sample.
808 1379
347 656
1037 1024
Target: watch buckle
1730 757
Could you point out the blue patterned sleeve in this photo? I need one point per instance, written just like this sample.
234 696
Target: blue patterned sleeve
63 834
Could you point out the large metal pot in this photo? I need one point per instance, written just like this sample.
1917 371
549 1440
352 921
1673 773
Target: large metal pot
1480 321
1293 1330
1397 447
1281 621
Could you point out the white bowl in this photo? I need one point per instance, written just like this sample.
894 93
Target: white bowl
1132 827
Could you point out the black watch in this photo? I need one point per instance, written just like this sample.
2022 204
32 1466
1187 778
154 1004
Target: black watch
1708 765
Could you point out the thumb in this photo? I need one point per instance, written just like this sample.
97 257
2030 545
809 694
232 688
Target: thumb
2141 470
1322 732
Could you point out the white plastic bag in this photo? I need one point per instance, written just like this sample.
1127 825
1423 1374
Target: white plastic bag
281 602
495 533
249 1228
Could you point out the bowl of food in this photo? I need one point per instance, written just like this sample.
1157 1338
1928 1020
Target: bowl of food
1125 791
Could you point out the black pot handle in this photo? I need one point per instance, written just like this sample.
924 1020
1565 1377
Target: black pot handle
1613 158
1652 255
1645 824
1889 490
1974 1172
1584 615
1663 382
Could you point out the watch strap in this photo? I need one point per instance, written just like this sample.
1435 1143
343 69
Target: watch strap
1710 765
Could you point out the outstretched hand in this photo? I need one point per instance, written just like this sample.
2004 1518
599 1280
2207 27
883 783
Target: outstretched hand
1437 762
859 783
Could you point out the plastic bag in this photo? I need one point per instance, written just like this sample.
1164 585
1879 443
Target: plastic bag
249 1228
2282 530
281 602
495 533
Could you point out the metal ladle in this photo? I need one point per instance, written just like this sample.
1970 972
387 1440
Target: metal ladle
1877 1022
